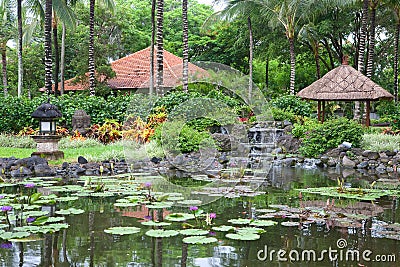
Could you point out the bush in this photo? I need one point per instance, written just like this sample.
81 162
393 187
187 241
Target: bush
282 115
380 142
293 104
320 137
16 141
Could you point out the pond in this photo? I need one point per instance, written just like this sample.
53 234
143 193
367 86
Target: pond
289 228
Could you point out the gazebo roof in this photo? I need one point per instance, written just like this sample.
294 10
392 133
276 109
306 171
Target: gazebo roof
344 83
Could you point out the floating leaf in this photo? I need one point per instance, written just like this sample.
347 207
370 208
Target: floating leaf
199 240
160 205
193 232
70 211
223 228
125 204
122 230
290 223
263 223
64 199
245 237
240 221
162 233
13 235
265 210
190 202
250 230
153 223
179 217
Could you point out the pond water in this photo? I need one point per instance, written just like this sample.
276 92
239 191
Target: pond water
84 242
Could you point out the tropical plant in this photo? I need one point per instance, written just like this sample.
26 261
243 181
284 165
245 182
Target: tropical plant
160 48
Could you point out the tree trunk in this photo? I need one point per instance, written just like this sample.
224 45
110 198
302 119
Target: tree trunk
316 57
47 47
20 65
153 30
371 49
56 55
62 63
4 63
361 51
292 66
266 73
92 80
185 51
160 49
250 57
396 60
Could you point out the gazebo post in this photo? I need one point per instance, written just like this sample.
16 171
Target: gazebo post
367 115
323 111
319 110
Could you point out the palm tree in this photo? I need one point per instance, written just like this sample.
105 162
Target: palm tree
92 80
48 63
395 6
153 30
6 34
20 66
185 52
374 4
160 48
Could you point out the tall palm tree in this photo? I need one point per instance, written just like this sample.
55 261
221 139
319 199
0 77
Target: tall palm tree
48 63
251 46
153 30
20 65
160 48
92 80
395 6
185 51
6 33
374 4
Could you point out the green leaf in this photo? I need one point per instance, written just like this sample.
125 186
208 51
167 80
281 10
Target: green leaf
223 228
179 217
13 235
240 221
193 232
162 233
199 240
263 223
122 230
153 223
244 237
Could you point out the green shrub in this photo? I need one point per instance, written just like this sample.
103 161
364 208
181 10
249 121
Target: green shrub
68 143
300 129
282 115
16 141
293 104
175 138
380 142
330 134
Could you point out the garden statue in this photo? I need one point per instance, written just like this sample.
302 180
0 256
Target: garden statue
80 122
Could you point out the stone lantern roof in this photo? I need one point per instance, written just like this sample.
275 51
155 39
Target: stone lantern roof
46 111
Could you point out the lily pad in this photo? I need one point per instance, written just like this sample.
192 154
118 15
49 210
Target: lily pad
153 223
179 217
263 223
70 211
65 199
125 204
193 232
244 237
13 235
199 240
162 233
290 223
240 221
223 228
160 205
122 230
250 230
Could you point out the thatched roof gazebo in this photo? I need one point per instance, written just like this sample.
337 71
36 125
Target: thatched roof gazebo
344 83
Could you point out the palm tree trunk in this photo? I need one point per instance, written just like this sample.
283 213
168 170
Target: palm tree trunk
92 80
266 73
396 60
47 46
4 63
20 65
361 51
250 56
292 66
160 48
371 49
57 54
153 30
62 63
185 51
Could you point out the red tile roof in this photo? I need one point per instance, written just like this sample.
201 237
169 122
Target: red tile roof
133 72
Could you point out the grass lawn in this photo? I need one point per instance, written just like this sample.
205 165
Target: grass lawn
95 153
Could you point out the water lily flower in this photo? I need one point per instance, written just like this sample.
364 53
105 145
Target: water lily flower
6 245
30 219
193 208
147 184
6 208
148 217
213 215
212 233
30 185
1 196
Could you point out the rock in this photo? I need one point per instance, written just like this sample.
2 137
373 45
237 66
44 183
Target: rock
82 160
43 170
27 162
331 162
223 141
324 159
288 143
389 169
348 163
65 165
373 155
384 160
21 172
362 165
319 163
390 153
381 168
346 145
289 162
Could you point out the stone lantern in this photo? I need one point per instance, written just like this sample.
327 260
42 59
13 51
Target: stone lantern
47 140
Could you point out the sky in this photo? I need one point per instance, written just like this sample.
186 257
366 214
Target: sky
209 2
